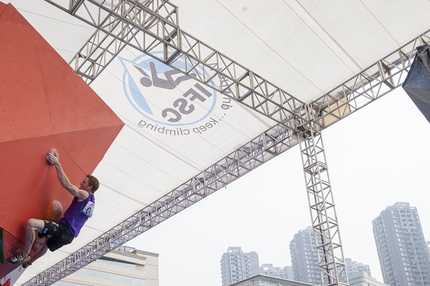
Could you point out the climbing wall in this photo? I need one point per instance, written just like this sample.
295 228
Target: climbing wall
43 105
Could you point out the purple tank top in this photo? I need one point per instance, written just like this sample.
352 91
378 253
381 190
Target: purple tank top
78 213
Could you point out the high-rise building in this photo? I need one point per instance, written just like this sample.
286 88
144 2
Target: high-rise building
402 249
123 266
237 265
304 257
354 267
288 270
270 270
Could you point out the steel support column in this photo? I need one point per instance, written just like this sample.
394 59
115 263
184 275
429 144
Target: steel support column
321 204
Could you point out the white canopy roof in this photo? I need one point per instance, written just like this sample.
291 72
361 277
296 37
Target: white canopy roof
306 48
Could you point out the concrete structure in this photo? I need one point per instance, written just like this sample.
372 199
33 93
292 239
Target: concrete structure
288 270
270 270
237 265
124 266
363 279
265 280
304 257
402 249
353 267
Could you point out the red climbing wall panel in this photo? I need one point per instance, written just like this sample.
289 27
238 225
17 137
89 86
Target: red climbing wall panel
43 104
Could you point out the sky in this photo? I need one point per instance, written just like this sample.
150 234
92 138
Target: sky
376 157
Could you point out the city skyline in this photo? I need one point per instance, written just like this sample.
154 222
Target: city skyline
284 271
302 248
236 260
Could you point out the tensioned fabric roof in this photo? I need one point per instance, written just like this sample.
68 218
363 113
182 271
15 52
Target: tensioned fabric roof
177 127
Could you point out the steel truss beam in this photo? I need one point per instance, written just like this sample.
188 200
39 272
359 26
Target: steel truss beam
152 25
325 226
253 154
112 35
372 83
128 22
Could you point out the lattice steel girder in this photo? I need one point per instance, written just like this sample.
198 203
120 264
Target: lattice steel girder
117 20
372 83
367 86
321 205
102 47
253 154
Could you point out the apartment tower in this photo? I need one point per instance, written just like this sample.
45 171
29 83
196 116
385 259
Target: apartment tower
237 265
402 249
304 257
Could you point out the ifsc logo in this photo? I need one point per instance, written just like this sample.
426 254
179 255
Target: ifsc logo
169 101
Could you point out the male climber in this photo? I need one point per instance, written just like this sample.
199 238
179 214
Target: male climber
74 218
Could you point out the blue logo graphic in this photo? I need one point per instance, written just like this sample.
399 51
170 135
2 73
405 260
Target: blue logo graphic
165 95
